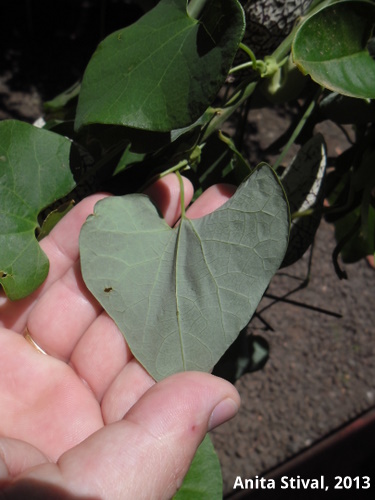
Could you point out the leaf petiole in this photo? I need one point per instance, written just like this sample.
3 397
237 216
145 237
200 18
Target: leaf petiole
181 165
257 64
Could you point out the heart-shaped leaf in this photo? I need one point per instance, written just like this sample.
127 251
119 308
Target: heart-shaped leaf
162 72
34 172
181 296
331 46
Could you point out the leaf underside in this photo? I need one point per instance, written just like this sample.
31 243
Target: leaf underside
181 296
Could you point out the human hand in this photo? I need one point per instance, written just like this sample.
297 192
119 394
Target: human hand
86 419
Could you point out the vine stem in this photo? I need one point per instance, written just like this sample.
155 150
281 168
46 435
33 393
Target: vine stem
182 165
249 52
222 114
257 65
298 128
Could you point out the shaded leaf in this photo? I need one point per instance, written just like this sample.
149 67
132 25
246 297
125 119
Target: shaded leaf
355 231
203 480
34 172
330 46
354 241
304 187
54 217
247 354
162 72
347 110
181 296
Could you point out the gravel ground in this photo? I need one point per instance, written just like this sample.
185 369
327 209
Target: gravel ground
321 371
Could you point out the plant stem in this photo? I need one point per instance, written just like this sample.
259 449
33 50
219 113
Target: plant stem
249 52
241 94
181 165
257 65
241 66
298 128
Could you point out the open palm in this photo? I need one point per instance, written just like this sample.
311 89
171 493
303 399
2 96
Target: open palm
63 415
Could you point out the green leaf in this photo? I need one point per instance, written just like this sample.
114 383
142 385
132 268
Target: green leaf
303 182
54 217
63 106
203 480
351 239
347 110
247 354
162 72
181 296
34 172
331 47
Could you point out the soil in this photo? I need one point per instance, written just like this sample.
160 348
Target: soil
321 371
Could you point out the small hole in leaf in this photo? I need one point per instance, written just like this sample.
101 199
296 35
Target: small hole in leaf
108 289
3 274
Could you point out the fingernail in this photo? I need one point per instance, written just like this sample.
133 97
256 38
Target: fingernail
224 411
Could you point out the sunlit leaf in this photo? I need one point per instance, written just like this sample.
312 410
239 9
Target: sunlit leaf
162 72
331 46
34 172
181 296
203 480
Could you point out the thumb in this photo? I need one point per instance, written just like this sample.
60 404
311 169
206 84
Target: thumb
148 453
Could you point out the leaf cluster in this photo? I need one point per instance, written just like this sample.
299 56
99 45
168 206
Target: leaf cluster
155 98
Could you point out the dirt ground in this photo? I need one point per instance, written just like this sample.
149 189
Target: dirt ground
321 370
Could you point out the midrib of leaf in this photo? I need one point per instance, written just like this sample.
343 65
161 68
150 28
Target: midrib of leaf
183 218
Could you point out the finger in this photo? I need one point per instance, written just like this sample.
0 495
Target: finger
142 456
16 456
60 316
61 248
146 446
45 403
165 194
95 346
100 355
211 199
127 388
